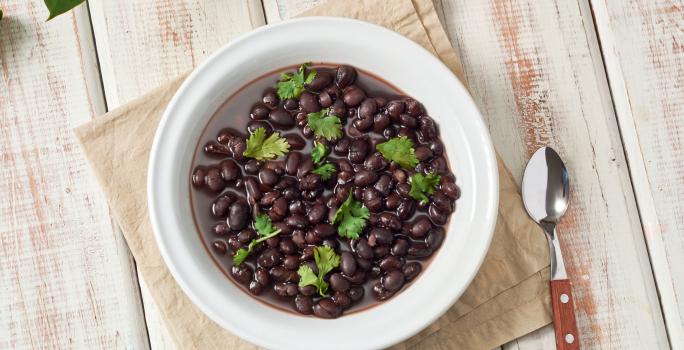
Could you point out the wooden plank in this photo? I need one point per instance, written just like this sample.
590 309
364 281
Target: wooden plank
168 38
67 277
643 47
535 70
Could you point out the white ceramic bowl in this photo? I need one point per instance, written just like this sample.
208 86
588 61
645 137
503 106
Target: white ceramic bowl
392 57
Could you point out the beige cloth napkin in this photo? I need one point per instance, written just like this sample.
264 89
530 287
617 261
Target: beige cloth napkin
507 299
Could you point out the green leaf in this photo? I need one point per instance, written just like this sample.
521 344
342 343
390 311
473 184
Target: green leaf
423 186
325 171
262 224
240 256
326 260
318 152
292 85
399 150
58 7
351 217
261 148
325 125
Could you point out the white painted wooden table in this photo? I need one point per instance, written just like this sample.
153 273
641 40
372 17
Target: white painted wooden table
600 80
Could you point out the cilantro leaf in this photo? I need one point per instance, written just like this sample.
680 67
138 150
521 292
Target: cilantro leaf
264 226
351 216
292 85
318 152
423 186
325 171
325 125
399 150
260 147
326 260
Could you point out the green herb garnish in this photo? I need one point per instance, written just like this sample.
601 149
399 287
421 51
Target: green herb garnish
423 186
325 171
325 125
292 85
264 227
351 217
399 150
260 147
326 260
318 152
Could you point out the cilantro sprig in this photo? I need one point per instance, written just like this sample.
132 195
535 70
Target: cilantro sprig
318 154
325 125
292 85
325 171
351 217
326 260
399 150
423 186
264 227
261 147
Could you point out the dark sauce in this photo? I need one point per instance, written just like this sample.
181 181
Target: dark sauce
234 116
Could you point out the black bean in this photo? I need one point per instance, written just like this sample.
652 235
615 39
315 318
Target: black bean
384 185
358 150
380 122
375 162
261 276
423 153
356 293
392 201
403 189
332 243
363 264
379 236
363 124
233 243
309 102
312 238
296 221
317 213
411 270
273 242
372 199
338 282
285 290
353 96
324 230
241 274
291 262
268 198
280 206
308 290
281 117
380 293
393 280
389 263
198 177
309 182
259 112
407 132
252 166
325 100
364 250
419 228
279 273
419 250
268 177
442 202
364 178
305 166
298 238
359 277
269 258
296 142
406 209
400 247
437 215
252 189
326 308
229 170
221 229
292 162
435 238
219 247
341 148
347 263
271 98
219 208
338 108
427 128
439 165
238 214
408 121
254 125
214 180
320 81
413 107
342 300
368 108
437 147
399 176
255 288
451 190
303 304
290 104
345 76
395 108
245 236
390 221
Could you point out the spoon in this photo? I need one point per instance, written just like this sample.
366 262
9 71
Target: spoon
546 194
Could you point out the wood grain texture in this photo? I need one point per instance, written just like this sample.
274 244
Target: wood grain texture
535 70
643 48
564 321
67 278
168 39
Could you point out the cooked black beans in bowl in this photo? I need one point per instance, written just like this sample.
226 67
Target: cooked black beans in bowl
321 189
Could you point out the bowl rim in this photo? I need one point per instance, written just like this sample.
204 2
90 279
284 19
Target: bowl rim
491 179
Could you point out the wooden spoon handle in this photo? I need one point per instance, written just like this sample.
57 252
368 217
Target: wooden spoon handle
564 315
